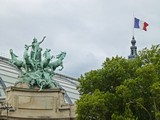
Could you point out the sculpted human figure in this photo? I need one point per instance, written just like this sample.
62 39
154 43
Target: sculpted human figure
35 48
38 56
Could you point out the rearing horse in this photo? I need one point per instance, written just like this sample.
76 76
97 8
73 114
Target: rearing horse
47 59
58 62
29 65
15 61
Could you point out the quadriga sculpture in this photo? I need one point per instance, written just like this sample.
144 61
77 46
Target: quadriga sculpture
37 72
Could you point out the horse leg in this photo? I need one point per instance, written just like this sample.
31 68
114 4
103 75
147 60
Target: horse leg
25 66
41 87
61 67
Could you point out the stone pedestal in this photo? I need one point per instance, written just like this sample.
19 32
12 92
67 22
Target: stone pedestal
32 104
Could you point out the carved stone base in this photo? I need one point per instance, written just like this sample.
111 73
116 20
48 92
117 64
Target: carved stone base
32 104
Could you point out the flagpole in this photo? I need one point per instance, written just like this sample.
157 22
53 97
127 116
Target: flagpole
133 24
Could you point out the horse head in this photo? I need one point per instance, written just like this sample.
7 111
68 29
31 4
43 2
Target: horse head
61 55
13 56
46 54
11 51
26 47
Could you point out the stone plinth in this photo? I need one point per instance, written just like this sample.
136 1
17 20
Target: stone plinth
32 104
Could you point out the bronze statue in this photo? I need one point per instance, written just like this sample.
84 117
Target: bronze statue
35 71
35 47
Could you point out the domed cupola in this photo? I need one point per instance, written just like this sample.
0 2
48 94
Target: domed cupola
133 49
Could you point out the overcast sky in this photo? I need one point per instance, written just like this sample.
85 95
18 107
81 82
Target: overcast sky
88 30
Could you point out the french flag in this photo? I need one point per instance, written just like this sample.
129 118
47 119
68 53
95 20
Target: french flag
140 24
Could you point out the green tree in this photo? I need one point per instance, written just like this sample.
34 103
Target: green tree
96 106
122 89
113 72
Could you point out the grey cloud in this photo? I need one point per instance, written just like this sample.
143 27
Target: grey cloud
88 30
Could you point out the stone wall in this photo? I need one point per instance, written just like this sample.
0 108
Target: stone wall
32 104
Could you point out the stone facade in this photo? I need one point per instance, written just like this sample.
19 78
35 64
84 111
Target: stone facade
32 104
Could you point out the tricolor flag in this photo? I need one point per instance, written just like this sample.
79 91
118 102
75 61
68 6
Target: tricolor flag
140 24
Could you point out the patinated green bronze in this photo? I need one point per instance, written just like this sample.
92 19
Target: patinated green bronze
37 71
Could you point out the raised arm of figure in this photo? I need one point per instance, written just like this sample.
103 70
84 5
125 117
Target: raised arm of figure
42 40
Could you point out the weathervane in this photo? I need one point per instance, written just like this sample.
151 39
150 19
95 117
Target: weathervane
35 71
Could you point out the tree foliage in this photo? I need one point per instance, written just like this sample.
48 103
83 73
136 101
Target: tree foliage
122 89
